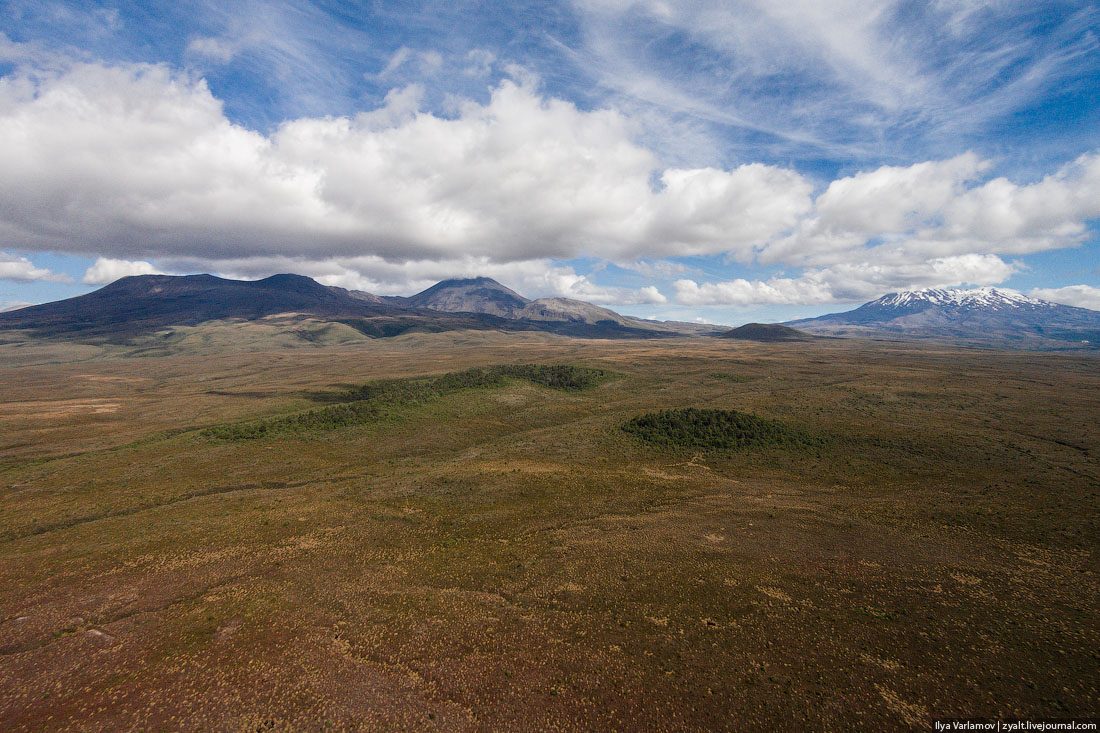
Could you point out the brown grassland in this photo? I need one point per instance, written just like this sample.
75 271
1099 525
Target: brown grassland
509 558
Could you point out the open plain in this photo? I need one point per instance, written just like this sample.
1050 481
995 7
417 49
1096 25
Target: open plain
506 557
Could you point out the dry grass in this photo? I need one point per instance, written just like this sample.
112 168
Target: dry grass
510 559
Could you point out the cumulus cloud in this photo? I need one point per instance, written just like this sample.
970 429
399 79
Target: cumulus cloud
20 269
107 270
1047 214
532 278
934 209
847 282
141 162
892 198
1082 296
743 292
932 224
135 163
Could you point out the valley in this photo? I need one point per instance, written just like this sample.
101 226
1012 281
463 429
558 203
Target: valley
499 553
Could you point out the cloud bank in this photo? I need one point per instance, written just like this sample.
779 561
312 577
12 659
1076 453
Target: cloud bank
1082 296
139 166
142 162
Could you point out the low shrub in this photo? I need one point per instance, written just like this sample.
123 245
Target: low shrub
716 429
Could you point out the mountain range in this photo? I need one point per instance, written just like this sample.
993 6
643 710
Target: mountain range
981 315
143 304
486 296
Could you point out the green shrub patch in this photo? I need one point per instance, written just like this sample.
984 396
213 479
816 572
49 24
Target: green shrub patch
716 430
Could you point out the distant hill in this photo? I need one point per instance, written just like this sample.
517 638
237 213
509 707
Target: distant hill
770 332
143 304
473 295
564 315
982 315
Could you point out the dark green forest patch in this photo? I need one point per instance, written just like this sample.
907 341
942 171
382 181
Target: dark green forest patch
716 430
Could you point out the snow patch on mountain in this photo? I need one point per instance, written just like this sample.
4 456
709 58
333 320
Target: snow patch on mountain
986 298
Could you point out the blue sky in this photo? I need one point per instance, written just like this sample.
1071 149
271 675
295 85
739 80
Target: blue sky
692 159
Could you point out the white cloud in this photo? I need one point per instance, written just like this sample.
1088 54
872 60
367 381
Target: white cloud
847 282
580 287
20 269
140 162
1082 296
655 269
430 62
217 49
426 63
107 270
934 224
707 210
935 209
13 51
400 56
479 62
871 75
894 199
535 278
650 294
137 163
743 292
1044 215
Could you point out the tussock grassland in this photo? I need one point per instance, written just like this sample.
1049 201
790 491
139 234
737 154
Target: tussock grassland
732 377
504 556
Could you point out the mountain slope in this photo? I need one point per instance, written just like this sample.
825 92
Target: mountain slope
144 303
982 315
473 295
569 310
559 315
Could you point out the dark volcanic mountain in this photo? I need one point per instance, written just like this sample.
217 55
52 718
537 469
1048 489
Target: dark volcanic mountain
143 304
472 295
769 332
984 315
561 315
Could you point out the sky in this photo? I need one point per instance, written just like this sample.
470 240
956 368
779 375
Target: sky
723 161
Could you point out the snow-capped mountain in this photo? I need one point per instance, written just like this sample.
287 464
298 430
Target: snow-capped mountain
979 314
991 298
